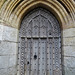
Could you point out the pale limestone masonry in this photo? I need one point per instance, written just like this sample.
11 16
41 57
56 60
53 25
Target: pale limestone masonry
1 31
8 50
69 32
68 51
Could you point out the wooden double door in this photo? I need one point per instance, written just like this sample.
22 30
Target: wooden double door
40 44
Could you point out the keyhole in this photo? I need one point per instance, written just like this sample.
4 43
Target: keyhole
35 57
50 33
27 62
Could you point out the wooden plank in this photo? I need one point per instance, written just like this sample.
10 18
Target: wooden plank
25 56
51 55
57 52
49 29
42 57
31 71
28 57
43 27
35 27
29 29
48 58
22 48
56 57
35 56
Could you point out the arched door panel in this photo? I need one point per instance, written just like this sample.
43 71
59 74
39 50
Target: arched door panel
40 52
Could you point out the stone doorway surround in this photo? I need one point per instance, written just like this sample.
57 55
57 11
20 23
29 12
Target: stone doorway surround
10 20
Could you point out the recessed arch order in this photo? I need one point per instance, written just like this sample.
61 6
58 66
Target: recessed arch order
52 6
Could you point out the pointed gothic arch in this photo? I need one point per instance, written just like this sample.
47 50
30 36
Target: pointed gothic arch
40 44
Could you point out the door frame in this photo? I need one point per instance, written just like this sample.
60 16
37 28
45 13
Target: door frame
61 49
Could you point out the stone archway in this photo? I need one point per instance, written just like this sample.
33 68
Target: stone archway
11 15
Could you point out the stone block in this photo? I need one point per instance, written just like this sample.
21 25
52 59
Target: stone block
4 61
1 31
10 34
69 32
69 41
12 60
69 71
12 71
69 51
69 62
8 48
3 71
18 73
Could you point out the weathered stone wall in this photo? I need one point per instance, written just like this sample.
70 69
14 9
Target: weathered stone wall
68 51
8 50
11 14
